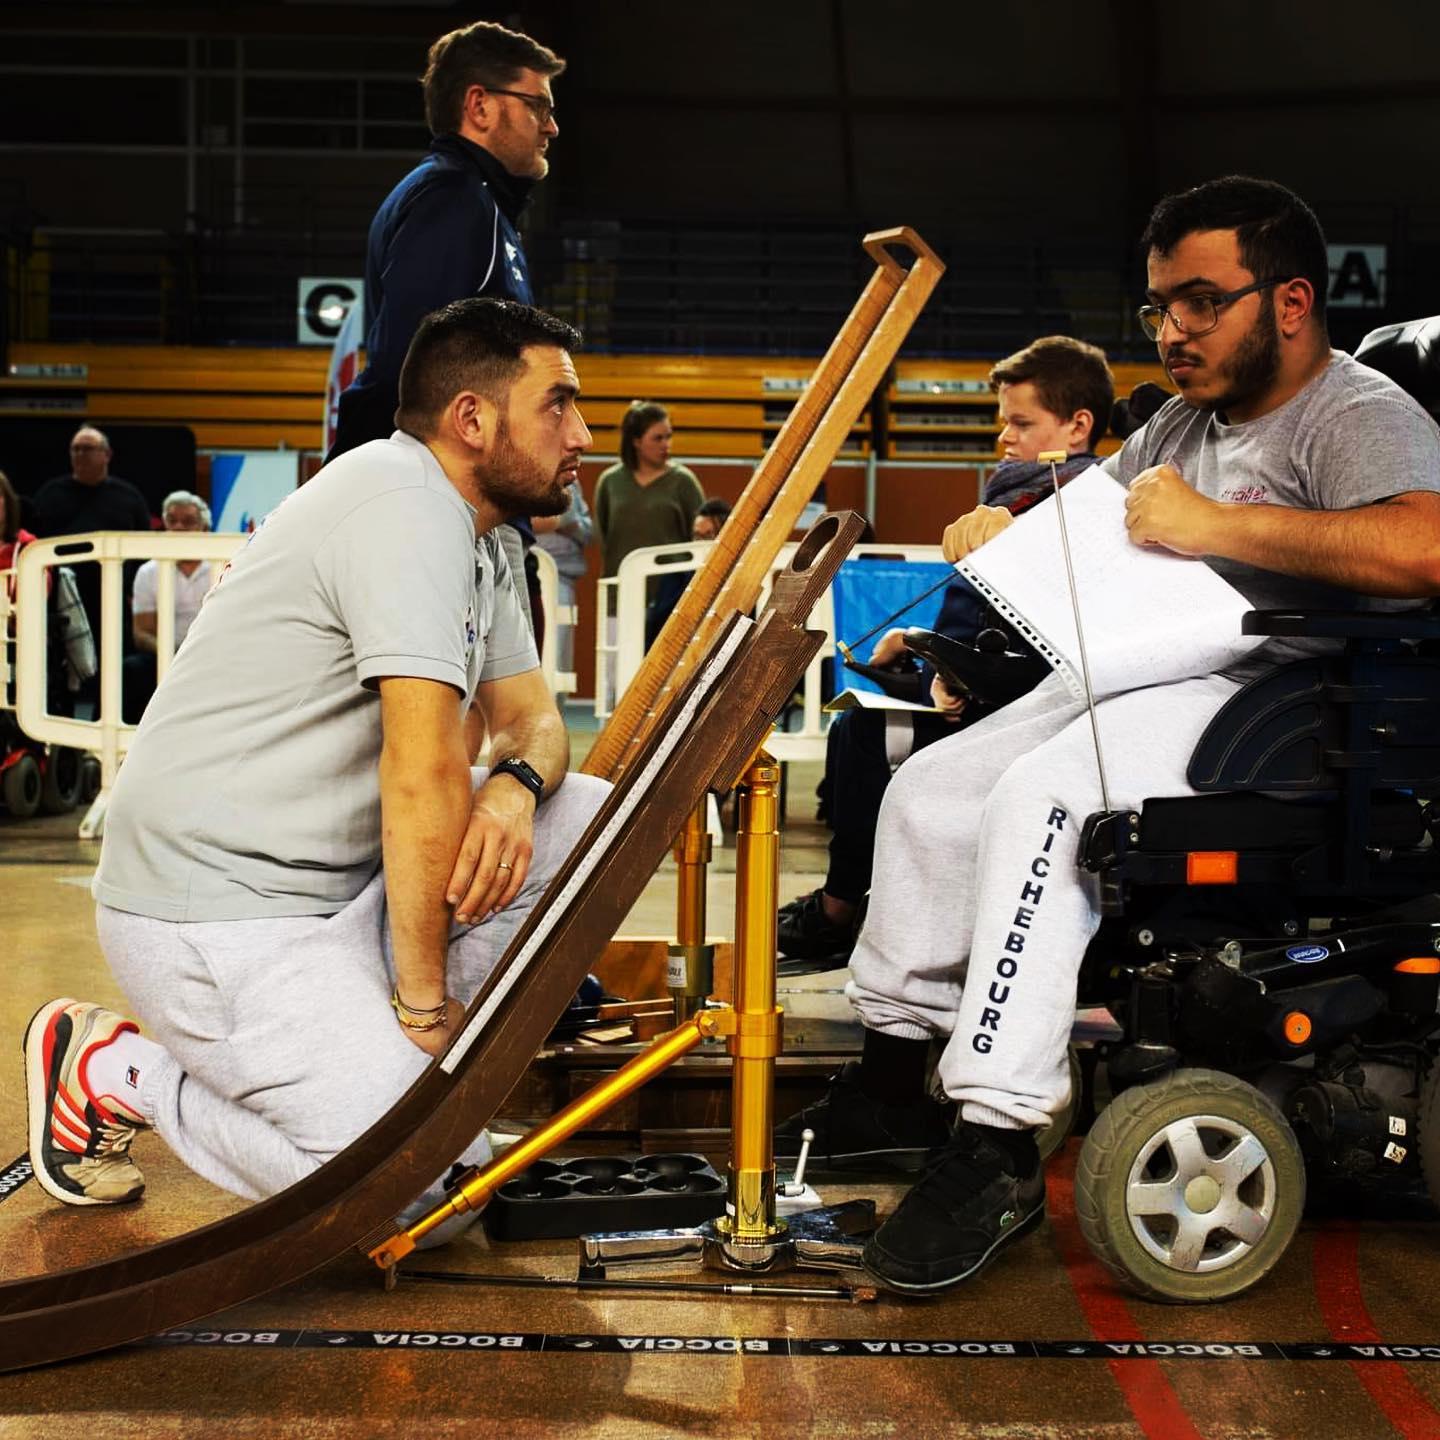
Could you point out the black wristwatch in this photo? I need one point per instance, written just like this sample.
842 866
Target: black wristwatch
527 775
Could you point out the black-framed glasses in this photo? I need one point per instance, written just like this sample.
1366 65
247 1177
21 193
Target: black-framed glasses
541 106
1196 314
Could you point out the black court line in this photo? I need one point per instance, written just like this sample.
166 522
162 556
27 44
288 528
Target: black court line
474 1341
14 1175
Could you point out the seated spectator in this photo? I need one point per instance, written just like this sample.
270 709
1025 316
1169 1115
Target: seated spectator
565 538
89 498
193 578
669 588
1055 394
709 518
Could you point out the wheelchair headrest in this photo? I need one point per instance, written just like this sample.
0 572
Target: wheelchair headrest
1409 353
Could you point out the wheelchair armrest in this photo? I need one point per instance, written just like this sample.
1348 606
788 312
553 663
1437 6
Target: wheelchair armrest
1344 624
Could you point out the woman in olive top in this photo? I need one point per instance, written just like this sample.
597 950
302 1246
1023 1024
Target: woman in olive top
644 500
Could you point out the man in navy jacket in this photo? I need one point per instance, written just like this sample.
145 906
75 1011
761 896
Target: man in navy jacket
448 229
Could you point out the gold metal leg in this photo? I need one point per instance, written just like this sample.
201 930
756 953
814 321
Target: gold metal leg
757 1036
690 974
478 1185
750 1237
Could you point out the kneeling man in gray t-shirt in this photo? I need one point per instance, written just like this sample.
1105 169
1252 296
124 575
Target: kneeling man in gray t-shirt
303 880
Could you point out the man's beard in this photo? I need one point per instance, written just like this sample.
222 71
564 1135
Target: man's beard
1252 368
517 485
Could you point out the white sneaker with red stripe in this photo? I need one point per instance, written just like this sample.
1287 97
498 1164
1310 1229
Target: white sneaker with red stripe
79 1141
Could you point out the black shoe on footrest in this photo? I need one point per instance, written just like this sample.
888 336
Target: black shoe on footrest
805 932
792 905
978 1195
855 1131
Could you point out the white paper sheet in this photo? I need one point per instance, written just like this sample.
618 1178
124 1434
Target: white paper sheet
1149 616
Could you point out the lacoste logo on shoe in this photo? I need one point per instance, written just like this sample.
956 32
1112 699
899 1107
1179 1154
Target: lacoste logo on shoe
132 1077
1007 1219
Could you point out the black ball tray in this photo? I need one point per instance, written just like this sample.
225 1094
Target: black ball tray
555 1199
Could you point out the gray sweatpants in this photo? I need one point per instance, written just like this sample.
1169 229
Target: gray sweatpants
280 1043
975 864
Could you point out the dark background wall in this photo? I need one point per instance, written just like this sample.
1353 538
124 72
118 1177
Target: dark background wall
1027 140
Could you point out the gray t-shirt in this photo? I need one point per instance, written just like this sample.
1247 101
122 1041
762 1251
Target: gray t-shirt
1351 437
252 789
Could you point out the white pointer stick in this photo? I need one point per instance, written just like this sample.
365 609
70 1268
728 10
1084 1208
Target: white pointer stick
1054 458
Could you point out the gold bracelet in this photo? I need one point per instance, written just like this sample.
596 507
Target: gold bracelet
419 1021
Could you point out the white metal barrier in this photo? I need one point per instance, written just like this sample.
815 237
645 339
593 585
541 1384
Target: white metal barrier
620 632
557 616
108 736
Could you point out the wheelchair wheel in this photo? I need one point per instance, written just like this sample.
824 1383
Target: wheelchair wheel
60 789
21 787
1058 1131
1189 1190
89 780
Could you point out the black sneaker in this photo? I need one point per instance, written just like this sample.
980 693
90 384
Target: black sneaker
805 932
854 1131
975 1198
791 905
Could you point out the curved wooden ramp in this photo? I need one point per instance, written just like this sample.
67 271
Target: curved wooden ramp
710 732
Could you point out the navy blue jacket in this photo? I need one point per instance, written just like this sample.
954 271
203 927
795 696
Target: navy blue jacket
446 231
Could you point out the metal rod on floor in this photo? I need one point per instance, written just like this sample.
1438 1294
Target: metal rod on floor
855 1294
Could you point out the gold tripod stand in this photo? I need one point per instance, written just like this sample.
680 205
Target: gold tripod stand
750 1236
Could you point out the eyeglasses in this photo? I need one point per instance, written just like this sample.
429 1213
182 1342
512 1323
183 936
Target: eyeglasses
541 106
1196 314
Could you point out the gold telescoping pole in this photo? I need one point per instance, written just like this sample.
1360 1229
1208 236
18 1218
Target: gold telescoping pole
690 971
476 1188
756 1038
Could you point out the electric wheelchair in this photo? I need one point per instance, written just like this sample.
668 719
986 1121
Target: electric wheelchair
1269 948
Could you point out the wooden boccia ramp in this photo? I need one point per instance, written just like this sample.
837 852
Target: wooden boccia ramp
708 733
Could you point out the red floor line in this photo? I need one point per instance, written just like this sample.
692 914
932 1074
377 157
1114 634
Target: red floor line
1142 1382
1348 1319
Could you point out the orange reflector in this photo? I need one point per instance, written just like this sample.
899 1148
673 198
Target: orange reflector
1297 1027
1420 965
1210 867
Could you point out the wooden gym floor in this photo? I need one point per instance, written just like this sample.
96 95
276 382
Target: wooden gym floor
1342 1340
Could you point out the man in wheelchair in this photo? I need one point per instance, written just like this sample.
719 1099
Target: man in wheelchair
1309 481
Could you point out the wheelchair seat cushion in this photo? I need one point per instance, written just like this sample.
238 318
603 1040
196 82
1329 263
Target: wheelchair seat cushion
1260 822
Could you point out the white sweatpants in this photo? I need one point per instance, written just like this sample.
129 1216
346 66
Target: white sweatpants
975 863
281 1047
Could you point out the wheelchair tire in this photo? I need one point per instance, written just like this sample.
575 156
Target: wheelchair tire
1153 1188
21 787
1059 1130
60 789
89 780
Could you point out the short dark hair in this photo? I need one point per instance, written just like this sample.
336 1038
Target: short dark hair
480 54
472 344
715 509
1276 231
641 415
11 526
1068 375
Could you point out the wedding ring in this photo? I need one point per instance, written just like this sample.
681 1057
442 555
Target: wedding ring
504 866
